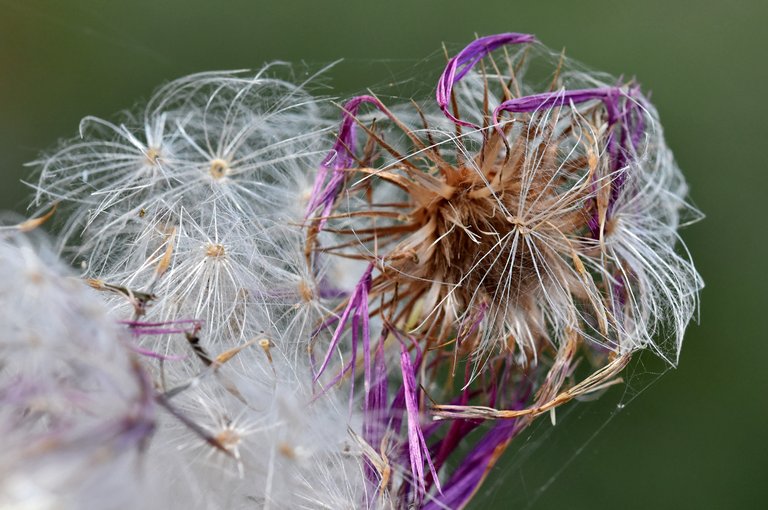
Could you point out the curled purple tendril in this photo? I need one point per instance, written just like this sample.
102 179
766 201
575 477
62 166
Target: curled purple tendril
465 60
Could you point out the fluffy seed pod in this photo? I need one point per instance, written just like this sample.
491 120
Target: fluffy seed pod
208 144
194 236
197 201
525 219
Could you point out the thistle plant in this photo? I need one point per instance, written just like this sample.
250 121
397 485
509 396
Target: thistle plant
280 310
531 227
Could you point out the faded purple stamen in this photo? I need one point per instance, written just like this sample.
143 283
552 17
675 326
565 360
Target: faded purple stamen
417 446
341 157
357 311
163 328
465 60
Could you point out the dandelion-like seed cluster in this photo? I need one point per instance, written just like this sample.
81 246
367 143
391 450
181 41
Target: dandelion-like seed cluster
279 310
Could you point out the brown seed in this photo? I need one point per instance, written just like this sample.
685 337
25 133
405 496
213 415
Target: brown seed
305 291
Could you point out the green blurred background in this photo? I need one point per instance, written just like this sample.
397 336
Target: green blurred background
695 438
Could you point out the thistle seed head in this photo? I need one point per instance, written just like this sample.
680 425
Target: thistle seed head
520 216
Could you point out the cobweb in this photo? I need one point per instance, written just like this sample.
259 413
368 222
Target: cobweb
544 452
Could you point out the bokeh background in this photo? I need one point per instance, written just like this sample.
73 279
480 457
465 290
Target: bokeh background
695 437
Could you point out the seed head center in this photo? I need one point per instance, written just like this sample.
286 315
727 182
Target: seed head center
215 251
228 438
519 224
305 291
153 155
219 169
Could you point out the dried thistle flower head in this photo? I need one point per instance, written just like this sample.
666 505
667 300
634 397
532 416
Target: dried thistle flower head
526 219
523 221
545 214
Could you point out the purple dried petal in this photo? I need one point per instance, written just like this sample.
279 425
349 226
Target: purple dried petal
546 100
465 60
360 320
159 331
375 403
357 307
474 467
397 408
458 429
192 322
324 194
631 136
326 290
160 328
138 428
152 354
619 289
474 319
375 399
465 481
417 446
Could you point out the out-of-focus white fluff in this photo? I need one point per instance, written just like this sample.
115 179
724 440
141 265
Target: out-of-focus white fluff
216 172
76 420
74 405
199 202
284 449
